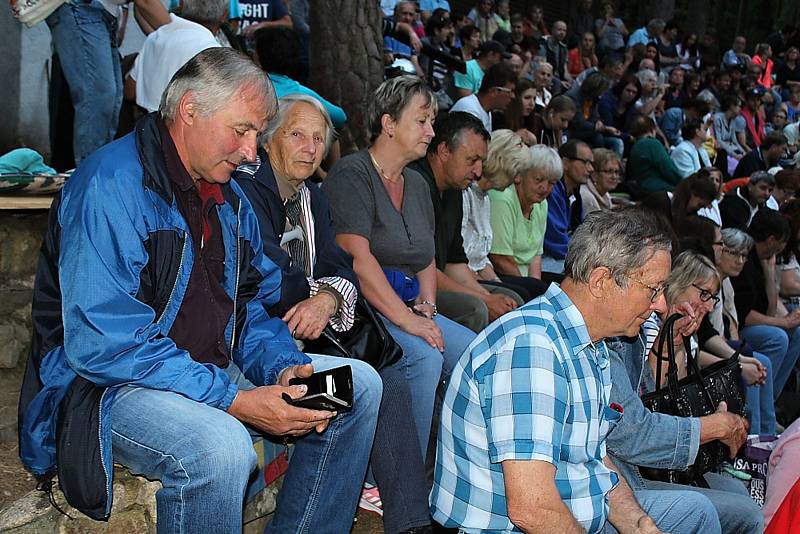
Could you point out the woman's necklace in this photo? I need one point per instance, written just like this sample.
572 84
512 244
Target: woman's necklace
381 172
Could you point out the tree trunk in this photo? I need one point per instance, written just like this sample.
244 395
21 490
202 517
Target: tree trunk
652 9
347 61
697 17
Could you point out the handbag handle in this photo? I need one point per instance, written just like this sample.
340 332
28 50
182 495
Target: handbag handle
666 336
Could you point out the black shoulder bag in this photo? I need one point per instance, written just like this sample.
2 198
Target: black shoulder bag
696 395
367 340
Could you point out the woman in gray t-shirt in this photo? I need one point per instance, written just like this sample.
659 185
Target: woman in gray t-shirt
383 217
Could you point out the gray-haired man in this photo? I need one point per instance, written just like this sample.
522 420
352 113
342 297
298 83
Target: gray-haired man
525 417
164 353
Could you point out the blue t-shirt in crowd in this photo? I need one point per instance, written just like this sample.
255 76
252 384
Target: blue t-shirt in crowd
254 11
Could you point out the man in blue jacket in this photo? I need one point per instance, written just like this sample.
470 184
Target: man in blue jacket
152 335
564 207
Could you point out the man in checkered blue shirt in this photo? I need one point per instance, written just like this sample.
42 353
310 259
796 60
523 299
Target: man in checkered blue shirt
522 438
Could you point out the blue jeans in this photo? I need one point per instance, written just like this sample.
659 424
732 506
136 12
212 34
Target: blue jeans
761 402
84 37
203 458
425 367
677 512
738 513
781 346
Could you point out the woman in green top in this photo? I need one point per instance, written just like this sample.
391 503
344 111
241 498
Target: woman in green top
519 215
649 164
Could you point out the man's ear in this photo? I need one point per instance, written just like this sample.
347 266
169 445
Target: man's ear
600 282
442 152
187 109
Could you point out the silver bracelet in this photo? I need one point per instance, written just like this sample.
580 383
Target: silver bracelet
433 307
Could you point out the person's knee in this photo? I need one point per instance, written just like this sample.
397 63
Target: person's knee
224 454
367 384
703 516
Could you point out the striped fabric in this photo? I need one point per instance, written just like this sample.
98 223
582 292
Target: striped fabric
532 386
302 250
303 255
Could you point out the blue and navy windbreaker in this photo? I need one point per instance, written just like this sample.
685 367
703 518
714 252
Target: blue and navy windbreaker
112 274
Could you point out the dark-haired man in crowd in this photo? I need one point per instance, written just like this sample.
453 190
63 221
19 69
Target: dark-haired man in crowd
739 206
455 160
767 328
496 93
764 157
489 54
554 49
564 207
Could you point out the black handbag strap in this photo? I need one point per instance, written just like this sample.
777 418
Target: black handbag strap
666 336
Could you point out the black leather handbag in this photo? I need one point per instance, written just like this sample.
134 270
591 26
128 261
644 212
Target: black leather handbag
367 340
696 395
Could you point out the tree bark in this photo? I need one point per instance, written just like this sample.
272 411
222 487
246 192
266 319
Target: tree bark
697 17
652 9
347 61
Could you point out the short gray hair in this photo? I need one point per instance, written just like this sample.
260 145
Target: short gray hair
688 268
392 97
213 76
646 74
206 12
656 26
622 241
285 105
536 66
544 159
737 240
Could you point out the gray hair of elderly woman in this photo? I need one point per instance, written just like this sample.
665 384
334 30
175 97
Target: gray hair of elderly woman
688 268
285 105
646 74
392 98
506 149
737 241
621 241
544 159
213 77
210 12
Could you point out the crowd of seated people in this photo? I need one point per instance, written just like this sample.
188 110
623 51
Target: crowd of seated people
537 197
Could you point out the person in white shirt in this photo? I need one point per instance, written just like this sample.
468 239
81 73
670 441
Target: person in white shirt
171 46
495 94
690 156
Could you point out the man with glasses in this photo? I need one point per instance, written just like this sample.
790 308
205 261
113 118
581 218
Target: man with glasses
648 439
522 442
564 205
495 94
596 193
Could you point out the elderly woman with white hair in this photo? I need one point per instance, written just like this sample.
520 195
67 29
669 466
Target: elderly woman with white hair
519 214
319 287
506 154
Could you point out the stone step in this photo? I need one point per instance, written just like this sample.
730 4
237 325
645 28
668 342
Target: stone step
133 511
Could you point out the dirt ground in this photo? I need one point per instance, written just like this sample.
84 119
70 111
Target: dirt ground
14 480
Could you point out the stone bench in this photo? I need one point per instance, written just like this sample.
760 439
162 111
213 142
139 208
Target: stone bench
134 507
